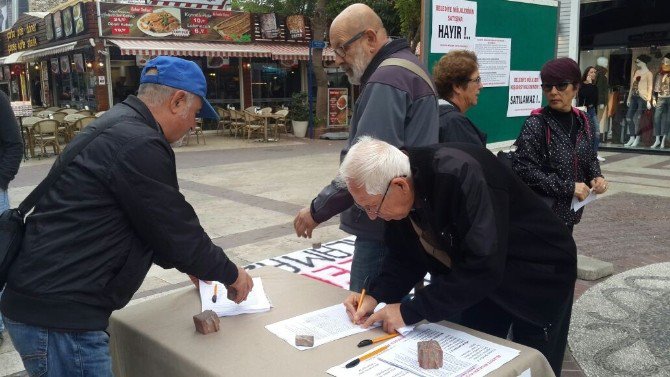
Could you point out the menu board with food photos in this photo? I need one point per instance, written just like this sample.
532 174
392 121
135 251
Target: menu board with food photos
338 109
295 27
78 18
269 27
146 21
68 27
49 29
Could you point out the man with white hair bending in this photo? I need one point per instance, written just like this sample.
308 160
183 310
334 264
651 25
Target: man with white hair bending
497 254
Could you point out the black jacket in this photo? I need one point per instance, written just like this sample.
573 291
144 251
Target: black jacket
455 127
567 163
91 239
504 243
11 146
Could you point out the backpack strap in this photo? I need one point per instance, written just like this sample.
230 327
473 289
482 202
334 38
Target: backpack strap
410 66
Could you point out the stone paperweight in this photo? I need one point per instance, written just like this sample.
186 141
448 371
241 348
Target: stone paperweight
430 354
304 340
206 322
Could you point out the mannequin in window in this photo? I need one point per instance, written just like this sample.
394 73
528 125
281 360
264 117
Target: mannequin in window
602 83
639 96
662 103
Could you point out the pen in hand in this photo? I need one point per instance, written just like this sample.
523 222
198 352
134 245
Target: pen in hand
360 302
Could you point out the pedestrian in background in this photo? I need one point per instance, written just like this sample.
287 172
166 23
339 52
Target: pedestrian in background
458 83
554 154
11 152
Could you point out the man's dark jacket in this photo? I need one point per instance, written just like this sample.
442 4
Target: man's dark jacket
504 242
91 239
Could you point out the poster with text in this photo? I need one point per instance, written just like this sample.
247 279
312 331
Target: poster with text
493 56
338 109
525 93
454 25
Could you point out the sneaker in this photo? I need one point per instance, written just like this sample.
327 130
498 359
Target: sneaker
601 159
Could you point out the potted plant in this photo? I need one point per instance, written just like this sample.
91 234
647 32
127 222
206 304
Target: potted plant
299 112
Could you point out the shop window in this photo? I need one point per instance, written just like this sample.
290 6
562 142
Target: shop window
73 84
223 81
273 83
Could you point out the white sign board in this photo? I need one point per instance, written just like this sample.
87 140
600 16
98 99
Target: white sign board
454 25
525 93
493 55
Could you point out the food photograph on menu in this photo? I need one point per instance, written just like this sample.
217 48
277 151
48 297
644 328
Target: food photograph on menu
54 66
296 26
235 28
161 22
269 26
64 64
67 22
79 63
78 18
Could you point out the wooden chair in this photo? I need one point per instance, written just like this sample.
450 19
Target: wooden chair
266 110
237 121
59 116
253 124
79 124
251 109
45 132
224 119
280 123
28 134
197 130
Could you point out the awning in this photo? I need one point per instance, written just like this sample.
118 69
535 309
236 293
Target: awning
249 50
12 58
34 54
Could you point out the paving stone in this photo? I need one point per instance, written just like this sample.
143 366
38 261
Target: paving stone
593 269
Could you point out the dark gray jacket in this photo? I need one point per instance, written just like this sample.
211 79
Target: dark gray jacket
11 146
396 106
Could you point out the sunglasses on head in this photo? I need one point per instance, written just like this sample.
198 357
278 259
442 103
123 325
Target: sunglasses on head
560 87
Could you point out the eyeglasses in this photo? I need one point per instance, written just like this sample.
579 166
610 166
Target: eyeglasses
341 51
369 210
560 87
477 79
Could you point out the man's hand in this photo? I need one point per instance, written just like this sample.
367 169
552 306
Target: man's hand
242 285
390 317
304 224
648 105
355 313
581 190
195 281
599 185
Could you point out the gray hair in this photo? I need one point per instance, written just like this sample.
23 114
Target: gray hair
157 95
372 164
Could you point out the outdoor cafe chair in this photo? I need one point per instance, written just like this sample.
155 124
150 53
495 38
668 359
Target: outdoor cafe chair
28 134
280 122
197 130
45 132
253 124
266 110
224 119
80 123
237 121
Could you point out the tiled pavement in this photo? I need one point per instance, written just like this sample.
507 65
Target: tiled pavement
268 183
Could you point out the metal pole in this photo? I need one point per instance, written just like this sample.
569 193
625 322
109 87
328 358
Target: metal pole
310 125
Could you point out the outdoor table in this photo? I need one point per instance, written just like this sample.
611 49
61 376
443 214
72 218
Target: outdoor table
265 117
158 338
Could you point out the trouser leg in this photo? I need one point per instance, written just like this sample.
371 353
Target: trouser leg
367 262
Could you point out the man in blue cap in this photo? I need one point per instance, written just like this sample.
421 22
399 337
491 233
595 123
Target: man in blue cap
113 211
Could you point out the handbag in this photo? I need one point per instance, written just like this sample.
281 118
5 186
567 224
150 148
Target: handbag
12 221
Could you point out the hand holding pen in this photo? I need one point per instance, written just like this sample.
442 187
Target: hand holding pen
359 306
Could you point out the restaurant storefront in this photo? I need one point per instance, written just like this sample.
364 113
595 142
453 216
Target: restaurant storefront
248 59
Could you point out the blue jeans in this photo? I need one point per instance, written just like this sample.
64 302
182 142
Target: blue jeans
367 262
4 205
637 107
662 117
45 352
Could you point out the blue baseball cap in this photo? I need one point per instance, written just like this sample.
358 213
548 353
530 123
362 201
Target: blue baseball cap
180 74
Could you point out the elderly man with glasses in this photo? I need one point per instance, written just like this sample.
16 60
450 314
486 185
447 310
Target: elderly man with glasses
497 255
397 104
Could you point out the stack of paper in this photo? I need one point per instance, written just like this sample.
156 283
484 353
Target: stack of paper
256 302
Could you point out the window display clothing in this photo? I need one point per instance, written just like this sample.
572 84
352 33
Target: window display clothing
662 90
638 99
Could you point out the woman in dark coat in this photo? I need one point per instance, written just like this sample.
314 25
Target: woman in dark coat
554 154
